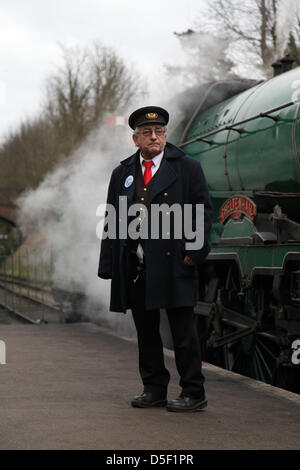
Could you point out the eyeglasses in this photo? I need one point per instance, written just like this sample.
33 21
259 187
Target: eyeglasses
147 132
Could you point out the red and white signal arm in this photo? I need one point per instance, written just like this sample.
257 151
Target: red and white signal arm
117 121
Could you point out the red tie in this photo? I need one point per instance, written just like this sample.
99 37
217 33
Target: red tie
147 172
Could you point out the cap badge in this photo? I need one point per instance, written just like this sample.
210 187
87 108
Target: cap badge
151 115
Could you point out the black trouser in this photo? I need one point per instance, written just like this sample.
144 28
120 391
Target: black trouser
187 349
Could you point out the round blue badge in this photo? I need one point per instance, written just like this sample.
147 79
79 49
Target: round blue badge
128 181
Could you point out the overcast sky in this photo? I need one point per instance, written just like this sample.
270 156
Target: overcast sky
31 30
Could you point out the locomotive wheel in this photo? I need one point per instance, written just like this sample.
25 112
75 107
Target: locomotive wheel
254 356
257 355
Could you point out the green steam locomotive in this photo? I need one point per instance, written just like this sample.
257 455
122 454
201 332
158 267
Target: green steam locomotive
247 137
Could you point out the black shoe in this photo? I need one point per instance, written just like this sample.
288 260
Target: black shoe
148 400
187 404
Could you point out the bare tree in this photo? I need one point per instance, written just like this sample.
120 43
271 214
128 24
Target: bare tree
90 83
234 38
67 103
263 28
27 154
294 47
113 85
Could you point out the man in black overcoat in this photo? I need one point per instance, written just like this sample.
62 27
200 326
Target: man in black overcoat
150 273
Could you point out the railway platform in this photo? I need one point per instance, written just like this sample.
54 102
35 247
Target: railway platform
69 386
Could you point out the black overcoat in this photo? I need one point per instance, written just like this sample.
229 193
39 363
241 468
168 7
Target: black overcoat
169 282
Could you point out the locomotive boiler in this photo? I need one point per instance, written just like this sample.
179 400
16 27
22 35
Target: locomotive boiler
247 137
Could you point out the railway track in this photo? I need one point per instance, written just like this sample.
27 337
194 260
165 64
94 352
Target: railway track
19 300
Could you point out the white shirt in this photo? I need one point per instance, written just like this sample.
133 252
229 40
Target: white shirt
157 161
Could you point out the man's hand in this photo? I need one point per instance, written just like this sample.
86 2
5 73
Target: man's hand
188 261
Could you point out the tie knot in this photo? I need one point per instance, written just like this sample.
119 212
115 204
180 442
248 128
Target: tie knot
148 164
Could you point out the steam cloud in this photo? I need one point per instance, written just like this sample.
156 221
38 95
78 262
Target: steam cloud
287 13
63 209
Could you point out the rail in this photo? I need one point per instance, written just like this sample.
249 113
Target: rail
25 288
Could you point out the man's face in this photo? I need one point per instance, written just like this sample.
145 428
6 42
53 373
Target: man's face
151 139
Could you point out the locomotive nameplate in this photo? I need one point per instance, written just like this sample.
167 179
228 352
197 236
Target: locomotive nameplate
235 206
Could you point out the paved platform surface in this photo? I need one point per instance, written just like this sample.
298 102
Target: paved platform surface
69 386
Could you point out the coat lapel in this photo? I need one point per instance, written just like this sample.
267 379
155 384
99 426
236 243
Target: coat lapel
165 177
129 171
